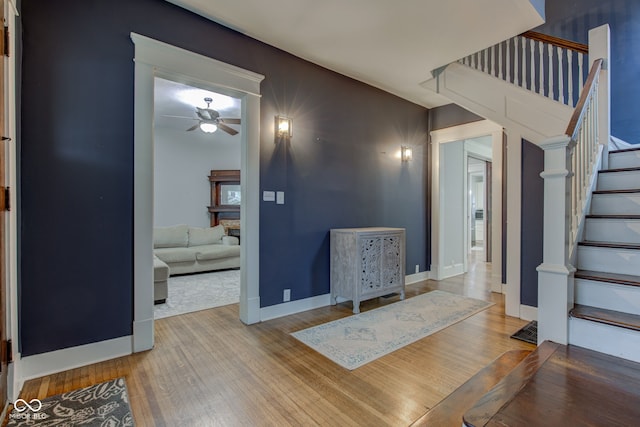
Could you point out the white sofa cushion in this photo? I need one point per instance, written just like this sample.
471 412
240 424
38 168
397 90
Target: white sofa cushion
210 252
174 236
171 255
205 236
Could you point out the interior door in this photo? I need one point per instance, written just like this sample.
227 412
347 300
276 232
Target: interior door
3 222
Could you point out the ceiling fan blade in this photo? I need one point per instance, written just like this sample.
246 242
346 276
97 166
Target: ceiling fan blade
178 117
194 127
230 121
227 129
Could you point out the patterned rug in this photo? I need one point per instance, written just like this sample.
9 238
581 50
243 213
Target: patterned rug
104 405
194 292
355 340
528 333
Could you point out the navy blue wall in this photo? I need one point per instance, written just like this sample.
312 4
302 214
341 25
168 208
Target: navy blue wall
76 160
532 222
572 20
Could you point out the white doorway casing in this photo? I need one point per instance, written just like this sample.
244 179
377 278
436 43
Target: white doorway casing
154 58
458 133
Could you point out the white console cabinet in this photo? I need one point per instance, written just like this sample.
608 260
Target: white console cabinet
366 263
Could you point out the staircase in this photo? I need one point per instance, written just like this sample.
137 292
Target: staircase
606 313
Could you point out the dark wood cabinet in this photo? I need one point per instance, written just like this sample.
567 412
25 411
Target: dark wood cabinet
225 196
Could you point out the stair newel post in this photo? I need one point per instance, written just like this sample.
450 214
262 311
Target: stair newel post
555 274
599 47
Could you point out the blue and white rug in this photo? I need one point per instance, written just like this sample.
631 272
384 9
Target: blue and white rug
195 292
355 340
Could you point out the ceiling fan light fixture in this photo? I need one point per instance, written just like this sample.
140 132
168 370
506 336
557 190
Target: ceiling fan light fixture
208 127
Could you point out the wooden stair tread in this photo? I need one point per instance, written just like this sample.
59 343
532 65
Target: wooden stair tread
637 190
619 170
624 150
571 386
450 410
509 386
613 245
608 317
614 216
599 276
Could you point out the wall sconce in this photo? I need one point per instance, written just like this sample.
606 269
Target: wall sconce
284 127
406 153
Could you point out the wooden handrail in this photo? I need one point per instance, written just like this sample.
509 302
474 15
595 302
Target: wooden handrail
556 41
587 91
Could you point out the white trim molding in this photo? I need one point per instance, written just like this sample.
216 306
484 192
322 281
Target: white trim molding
293 307
74 357
528 312
154 58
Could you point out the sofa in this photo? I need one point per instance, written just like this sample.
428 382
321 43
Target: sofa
183 249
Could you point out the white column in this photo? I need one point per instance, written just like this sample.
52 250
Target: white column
555 274
599 48
514 219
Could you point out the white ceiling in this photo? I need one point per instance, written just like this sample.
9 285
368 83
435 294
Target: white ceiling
393 45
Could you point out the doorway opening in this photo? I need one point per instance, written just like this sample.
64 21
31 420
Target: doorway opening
465 228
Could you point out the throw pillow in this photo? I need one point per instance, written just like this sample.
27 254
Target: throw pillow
174 236
205 236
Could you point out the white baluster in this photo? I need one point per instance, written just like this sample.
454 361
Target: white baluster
570 102
485 65
508 61
550 79
523 44
532 81
580 71
560 76
516 61
541 66
493 60
500 61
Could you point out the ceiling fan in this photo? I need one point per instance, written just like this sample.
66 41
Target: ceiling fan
209 120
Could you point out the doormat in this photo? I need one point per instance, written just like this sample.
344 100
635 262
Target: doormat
529 333
104 404
355 340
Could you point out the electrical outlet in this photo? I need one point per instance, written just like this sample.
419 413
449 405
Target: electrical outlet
417 268
286 295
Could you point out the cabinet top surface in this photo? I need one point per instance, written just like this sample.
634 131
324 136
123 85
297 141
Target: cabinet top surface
366 229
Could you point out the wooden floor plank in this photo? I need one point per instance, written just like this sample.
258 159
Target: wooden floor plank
207 368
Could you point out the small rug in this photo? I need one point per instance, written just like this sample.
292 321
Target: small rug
195 292
528 333
355 340
104 405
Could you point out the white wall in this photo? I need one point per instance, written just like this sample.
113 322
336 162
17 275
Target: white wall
453 175
183 161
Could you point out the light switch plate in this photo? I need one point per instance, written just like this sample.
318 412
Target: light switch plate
280 197
268 196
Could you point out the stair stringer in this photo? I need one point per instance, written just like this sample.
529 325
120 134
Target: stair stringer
533 116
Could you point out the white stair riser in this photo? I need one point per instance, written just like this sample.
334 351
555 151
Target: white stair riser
609 260
610 296
629 159
612 340
616 204
612 230
626 180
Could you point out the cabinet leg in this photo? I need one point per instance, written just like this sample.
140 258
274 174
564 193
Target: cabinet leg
402 294
334 299
356 307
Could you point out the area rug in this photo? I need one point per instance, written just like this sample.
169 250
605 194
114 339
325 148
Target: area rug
355 340
196 292
103 405
528 333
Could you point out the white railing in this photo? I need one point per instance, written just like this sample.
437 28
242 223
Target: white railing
549 66
571 164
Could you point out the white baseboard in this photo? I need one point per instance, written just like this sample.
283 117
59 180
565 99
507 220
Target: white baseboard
293 307
70 358
499 288
528 313
142 335
417 277
452 270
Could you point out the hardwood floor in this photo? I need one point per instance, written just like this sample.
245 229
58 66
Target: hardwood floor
207 368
